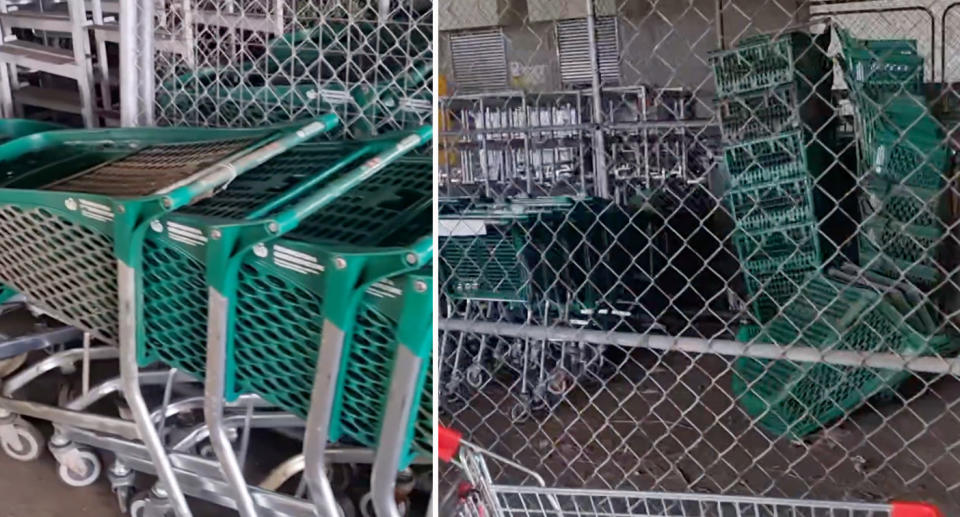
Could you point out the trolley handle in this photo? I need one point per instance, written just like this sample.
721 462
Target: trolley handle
371 146
226 170
290 218
904 509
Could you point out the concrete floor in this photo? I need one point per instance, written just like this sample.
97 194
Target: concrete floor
34 489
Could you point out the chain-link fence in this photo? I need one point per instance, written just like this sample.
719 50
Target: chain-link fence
703 245
248 63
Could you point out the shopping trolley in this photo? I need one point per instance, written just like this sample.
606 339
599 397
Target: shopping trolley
480 496
321 222
75 210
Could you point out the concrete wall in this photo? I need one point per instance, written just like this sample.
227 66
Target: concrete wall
663 43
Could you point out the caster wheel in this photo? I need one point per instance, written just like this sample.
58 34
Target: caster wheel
125 497
138 505
475 376
29 444
206 451
346 507
341 476
519 412
89 473
367 510
11 364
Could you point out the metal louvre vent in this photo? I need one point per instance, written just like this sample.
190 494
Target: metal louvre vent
574 48
479 61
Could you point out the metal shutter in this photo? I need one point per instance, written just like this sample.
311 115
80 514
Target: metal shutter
479 61
574 49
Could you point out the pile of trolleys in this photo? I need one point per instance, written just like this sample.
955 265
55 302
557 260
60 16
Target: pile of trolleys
197 263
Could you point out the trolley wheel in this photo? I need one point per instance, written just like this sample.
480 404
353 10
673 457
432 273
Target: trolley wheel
475 376
29 444
341 476
140 503
367 510
86 477
11 364
125 496
346 507
520 411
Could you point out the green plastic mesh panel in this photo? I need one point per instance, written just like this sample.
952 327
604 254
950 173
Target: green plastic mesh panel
773 159
771 206
757 116
366 381
278 332
796 399
485 266
255 188
915 206
423 430
175 308
763 62
378 211
150 169
67 269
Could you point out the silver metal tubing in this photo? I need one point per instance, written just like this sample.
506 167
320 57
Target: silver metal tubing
318 421
261 420
920 364
22 344
59 360
147 66
66 417
129 96
130 375
191 472
282 473
98 392
403 387
188 404
214 388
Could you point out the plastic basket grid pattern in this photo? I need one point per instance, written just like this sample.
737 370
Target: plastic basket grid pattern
149 169
795 399
175 307
765 63
62 266
279 312
485 267
779 158
175 319
279 325
756 116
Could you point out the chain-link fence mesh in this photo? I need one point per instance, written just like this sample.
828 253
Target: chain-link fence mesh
246 63
703 245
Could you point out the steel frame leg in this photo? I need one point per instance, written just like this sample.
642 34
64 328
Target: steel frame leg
318 421
130 376
403 387
214 388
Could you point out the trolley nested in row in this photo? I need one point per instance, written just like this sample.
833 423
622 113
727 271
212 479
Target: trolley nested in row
258 278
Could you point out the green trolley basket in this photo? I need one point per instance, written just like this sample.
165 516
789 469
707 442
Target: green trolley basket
75 211
13 128
288 253
795 399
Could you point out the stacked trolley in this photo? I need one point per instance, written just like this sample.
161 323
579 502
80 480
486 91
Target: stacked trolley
522 261
212 252
884 305
904 158
360 71
775 117
479 496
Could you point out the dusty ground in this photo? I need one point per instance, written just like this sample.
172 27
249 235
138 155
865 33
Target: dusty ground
33 489
673 425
